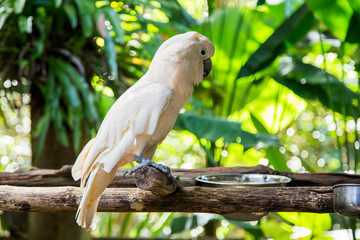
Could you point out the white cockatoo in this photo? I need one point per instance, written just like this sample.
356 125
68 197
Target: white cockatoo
142 117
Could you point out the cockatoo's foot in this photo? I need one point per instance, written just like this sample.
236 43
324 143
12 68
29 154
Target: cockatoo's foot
147 162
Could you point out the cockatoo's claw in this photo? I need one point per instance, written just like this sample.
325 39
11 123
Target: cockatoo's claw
146 162
126 172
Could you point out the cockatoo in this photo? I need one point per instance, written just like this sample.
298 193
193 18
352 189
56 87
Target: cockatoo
141 118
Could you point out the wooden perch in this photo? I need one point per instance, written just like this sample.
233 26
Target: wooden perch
62 177
308 192
187 199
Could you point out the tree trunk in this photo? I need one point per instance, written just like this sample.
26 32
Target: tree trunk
54 155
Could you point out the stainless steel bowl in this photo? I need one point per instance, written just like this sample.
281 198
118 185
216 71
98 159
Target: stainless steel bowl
242 180
347 199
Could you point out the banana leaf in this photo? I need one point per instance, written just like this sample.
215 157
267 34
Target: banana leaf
289 32
213 128
310 82
335 14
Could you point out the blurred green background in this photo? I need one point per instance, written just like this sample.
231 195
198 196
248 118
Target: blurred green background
283 92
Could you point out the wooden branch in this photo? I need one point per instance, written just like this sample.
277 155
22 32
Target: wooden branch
62 177
187 199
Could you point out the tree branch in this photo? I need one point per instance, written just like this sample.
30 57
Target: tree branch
187 199
62 177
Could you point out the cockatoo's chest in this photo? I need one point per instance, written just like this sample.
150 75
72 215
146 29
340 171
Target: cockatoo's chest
167 120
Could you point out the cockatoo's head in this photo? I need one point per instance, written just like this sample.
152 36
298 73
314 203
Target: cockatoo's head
186 54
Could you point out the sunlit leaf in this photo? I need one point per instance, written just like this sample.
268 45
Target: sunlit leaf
310 82
276 159
19 6
58 3
24 25
3 17
115 21
253 230
335 14
212 128
276 229
289 32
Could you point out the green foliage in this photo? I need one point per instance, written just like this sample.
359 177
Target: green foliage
283 92
58 46
324 86
213 128
287 34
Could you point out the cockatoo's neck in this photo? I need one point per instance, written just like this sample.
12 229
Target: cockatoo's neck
178 76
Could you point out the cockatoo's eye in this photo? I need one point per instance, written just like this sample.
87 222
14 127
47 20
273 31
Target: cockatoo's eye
203 52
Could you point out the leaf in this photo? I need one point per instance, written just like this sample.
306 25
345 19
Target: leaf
183 223
69 89
105 103
19 6
290 31
71 14
83 88
86 9
253 230
60 128
40 132
335 14
258 125
213 128
4 16
211 162
355 4
178 224
276 159
58 3
86 24
310 82
353 33
77 133
111 55
115 22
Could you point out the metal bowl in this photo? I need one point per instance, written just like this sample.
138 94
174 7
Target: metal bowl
242 180
347 199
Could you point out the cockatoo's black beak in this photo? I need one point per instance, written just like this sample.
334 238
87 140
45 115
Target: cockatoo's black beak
207 67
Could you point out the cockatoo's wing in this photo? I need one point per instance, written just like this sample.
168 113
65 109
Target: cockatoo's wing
136 112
